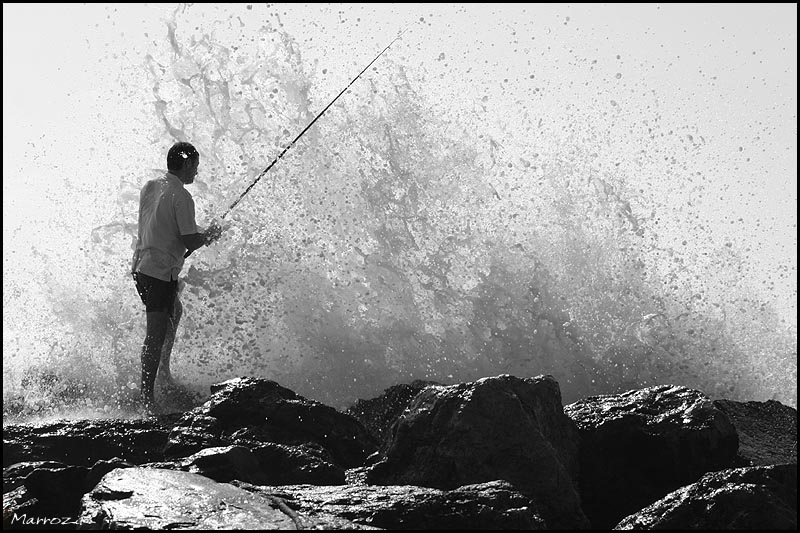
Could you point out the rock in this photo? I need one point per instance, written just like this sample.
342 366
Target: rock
84 442
495 428
767 431
251 411
265 464
14 475
297 465
149 498
57 490
493 505
379 415
18 505
101 468
48 497
225 464
50 489
755 498
638 446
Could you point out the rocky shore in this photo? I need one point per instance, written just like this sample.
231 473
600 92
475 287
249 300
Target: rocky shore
498 453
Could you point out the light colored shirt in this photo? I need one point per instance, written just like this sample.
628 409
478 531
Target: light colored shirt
166 211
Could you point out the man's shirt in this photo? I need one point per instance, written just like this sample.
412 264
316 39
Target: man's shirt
166 211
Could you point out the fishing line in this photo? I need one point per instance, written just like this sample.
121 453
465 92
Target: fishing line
264 172
286 149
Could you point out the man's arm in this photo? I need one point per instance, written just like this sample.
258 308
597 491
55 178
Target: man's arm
193 241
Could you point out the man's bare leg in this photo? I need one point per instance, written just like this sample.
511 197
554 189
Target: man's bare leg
157 325
164 371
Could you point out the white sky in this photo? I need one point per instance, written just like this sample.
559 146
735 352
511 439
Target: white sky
731 69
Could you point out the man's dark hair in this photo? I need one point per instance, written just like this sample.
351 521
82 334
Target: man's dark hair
178 154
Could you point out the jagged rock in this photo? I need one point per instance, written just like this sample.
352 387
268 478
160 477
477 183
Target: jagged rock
495 428
225 464
57 490
84 442
638 446
266 464
378 415
767 431
14 475
101 468
297 465
50 488
756 498
493 505
149 498
50 492
251 411
18 505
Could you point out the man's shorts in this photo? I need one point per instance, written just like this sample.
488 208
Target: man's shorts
157 295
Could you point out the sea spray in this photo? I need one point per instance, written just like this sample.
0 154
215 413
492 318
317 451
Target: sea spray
403 238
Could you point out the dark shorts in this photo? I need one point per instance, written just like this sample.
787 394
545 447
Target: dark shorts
156 294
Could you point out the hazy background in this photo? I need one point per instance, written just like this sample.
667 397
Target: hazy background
719 81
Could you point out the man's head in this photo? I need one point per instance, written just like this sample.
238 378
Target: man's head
183 160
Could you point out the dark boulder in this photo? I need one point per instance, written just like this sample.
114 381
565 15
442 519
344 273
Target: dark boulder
149 498
305 464
43 493
18 507
378 415
755 498
767 431
14 475
84 442
639 446
494 505
265 464
250 412
501 427
223 464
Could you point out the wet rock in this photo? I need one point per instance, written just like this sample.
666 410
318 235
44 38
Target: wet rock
149 498
50 494
14 475
50 489
266 464
378 415
767 431
225 464
101 468
493 505
502 427
249 412
84 442
754 498
18 505
638 446
296 465
57 490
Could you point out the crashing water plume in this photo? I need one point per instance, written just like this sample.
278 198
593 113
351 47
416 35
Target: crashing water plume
403 240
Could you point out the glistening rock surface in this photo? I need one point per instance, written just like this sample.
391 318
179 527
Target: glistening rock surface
250 411
767 431
494 505
502 427
84 442
754 498
379 415
151 498
638 446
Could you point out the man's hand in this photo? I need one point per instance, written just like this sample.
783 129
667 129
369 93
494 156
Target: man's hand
214 231
209 236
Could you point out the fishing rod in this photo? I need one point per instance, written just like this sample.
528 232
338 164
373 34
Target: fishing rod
264 172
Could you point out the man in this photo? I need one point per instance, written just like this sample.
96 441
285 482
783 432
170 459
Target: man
167 233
